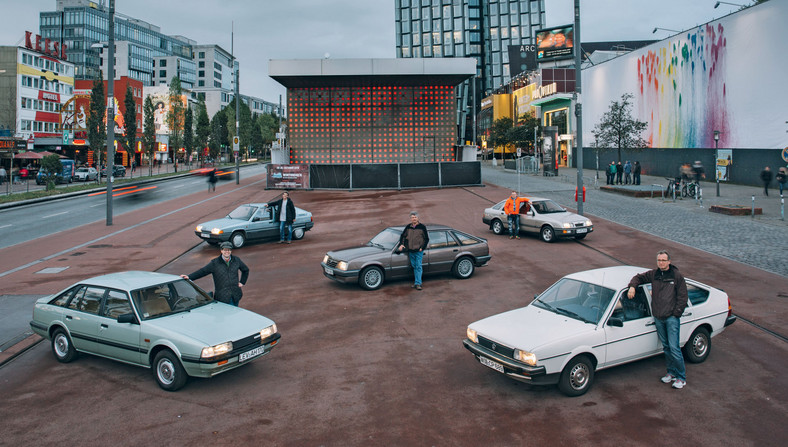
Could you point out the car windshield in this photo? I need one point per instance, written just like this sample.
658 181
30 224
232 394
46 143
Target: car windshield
243 212
169 298
576 299
387 239
547 206
82 170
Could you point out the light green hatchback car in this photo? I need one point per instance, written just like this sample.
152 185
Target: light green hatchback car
154 320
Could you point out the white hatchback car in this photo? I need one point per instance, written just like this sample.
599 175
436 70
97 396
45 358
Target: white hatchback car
585 323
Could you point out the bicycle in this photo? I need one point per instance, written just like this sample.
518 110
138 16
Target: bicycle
689 189
673 189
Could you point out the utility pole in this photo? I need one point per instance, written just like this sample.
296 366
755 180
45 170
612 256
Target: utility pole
236 149
110 109
578 112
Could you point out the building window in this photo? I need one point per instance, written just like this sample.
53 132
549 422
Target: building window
201 55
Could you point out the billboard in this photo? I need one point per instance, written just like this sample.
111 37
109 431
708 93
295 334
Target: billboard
522 58
555 43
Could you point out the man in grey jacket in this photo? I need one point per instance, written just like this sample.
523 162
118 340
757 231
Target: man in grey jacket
224 269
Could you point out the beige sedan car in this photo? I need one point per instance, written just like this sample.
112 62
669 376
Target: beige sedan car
546 218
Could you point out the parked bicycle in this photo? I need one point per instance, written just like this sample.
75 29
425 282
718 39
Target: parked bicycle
673 189
689 189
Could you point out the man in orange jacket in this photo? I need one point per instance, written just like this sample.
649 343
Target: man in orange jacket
512 210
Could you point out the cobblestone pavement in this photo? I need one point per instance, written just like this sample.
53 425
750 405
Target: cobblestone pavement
760 241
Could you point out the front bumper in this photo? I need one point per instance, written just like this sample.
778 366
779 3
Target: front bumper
536 375
214 238
343 276
198 367
572 232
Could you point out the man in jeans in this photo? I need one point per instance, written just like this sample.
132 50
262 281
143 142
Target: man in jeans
414 240
668 301
512 210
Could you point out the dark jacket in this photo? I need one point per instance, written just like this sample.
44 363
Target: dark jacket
225 278
403 238
276 205
668 291
766 176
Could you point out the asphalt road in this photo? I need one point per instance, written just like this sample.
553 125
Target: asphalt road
387 367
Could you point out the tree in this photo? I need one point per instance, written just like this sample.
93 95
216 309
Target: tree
130 120
257 139
219 135
175 116
618 129
97 127
203 128
499 135
188 131
522 134
245 128
52 168
149 132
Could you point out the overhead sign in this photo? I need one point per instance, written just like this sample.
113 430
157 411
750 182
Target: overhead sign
45 46
8 145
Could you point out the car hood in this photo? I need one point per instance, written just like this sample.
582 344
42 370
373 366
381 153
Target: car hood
563 217
529 328
223 223
212 324
350 253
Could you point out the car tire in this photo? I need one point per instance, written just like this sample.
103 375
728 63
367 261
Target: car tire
547 234
298 233
581 236
168 371
371 278
497 227
463 268
62 347
697 348
577 377
238 239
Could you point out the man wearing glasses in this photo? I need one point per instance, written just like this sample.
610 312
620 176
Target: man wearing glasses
668 301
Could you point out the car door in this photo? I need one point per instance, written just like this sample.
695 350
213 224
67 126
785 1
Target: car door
82 319
119 341
441 252
531 221
637 338
259 224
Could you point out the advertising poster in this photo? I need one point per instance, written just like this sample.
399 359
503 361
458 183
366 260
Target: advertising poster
549 150
724 164
288 176
555 43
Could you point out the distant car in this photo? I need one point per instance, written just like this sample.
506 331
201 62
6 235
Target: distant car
585 323
250 222
65 176
546 218
118 170
158 321
84 174
369 265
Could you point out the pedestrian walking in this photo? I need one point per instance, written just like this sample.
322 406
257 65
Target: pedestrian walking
698 171
619 173
414 240
782 177
636 173
284 213
668 301
512 210
627 173
212 180
766 178
225 270
2 175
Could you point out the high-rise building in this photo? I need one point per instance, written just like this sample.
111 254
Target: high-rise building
481 29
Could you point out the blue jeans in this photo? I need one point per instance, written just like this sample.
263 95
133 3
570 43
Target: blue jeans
668 333
514 224
415 262
282 226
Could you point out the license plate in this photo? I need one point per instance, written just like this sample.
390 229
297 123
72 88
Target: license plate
206 235
251 354
328 271
582 230
494 365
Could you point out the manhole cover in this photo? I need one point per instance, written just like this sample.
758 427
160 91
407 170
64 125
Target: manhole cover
52 270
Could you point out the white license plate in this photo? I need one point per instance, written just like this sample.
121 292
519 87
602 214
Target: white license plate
582 230
206 235
251 354
494 365
328 271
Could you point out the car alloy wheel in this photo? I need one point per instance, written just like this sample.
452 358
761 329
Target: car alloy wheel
463 268
371 278
547 233
298 233
497 227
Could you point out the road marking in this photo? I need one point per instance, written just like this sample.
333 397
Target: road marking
178 186
53 215
4 226
98 204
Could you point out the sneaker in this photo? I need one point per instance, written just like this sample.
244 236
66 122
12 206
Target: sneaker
668 378
418 286
288 242
511 237
679 384
517 237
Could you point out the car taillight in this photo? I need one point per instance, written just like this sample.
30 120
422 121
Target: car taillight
730 308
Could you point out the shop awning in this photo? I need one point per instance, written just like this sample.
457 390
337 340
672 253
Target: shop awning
551 98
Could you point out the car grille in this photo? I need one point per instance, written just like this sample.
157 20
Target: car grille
243 343
497 347
581 224
332 262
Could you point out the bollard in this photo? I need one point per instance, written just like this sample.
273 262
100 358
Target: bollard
700 196
752 211
782 207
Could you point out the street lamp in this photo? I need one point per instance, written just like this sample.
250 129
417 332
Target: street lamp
728 3
717 154
110 109
664 29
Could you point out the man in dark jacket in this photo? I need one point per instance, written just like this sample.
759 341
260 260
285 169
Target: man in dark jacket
766 178
284 213
668 301
224 269
414 240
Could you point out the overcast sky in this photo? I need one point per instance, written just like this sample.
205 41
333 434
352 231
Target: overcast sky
309 29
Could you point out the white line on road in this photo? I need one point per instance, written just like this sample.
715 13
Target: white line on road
4 226
53 215
98 204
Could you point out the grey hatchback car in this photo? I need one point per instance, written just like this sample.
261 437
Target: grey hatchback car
253 221
546 218
369 265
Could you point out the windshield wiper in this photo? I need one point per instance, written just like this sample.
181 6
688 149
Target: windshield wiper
375 244
546 305
569 313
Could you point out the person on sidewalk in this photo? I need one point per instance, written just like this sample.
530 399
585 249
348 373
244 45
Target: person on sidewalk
668 301
512 210
636 173
782 177
225 270
766 178
611 173
414 240
627 173
619 173
284 213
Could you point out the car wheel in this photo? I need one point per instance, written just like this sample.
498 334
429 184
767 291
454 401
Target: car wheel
62 348
697 348
547 233
463 268
168 371
577 376
581 236
298 233
238 239
497 226
371 278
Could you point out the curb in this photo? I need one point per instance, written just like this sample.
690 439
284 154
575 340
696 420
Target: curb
19 348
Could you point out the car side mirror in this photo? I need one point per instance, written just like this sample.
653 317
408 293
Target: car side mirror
615 321
127 318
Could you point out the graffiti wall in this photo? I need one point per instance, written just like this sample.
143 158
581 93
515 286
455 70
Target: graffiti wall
727 75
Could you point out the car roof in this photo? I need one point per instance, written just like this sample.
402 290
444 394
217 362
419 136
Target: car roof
130 280
429 227
615 278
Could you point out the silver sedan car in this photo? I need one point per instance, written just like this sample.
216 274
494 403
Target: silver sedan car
546 218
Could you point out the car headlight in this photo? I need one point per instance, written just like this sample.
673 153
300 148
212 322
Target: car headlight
267 332
198 228
325 259
342 265
588 223
567 225
525 357
472 335
213 351
217 231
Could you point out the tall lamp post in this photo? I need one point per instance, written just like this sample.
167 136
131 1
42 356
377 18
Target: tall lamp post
579 113
717 155
110 109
